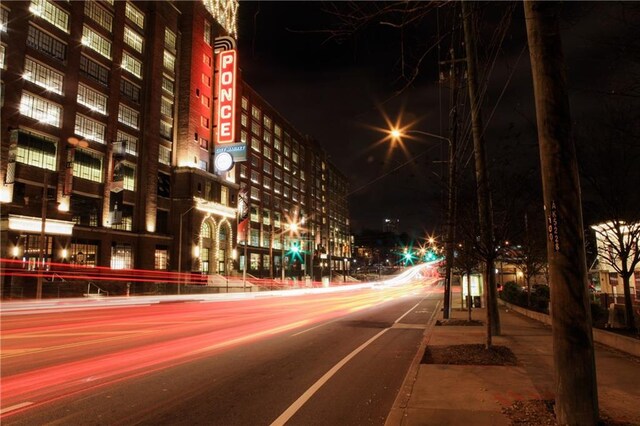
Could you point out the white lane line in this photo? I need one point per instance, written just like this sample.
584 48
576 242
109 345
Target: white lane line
293 409
15 407
313 328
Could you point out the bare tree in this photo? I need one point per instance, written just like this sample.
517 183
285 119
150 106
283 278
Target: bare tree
619 247
531 257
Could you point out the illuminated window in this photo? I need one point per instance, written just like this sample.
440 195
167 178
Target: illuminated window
277 187
287 164
169 39
128 171
87 165
47 44
2 53
126 223
40 109
131 64
278 131
266 167
255 161
277 173
287 178
243 136
129 116
96 42
169 61
94 70
294 157
41 75
277 144
129 90
4 19
267 122
204 122
255 193
224 195
255 128
287 192
92 99
255 144
266 151
85 254
267 182
35 149
98 14
207 32
121 254
206 59
287 150
161 259
168 85
277 158
255 177
302 176
133 14
206 80
164 155
166 130
130 142
166 106
245 103
294 195
50 13
90 129
244 119
255 112
206 102
255 257
132 39
266 137
243 171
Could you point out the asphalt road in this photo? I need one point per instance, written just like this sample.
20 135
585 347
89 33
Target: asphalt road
331 359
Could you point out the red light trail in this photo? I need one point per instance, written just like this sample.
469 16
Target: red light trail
49 355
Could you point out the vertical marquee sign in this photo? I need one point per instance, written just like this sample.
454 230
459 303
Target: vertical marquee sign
227 67
228 151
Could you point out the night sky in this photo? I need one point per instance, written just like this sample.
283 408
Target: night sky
339 89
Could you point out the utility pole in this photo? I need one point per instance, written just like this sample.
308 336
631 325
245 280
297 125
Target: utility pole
482 177
573 352
451 208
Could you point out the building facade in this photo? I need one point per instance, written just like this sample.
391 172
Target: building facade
109 134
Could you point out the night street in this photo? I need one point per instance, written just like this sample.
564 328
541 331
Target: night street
238 362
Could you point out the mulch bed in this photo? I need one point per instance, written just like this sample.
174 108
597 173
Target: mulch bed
459 322
470 354
536 412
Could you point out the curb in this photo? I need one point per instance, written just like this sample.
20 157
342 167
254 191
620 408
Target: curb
397 412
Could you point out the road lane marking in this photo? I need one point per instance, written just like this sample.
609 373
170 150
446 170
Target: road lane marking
293 409
313 328
409 326
15 407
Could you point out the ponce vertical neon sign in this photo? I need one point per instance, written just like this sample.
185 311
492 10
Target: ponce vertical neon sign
227 68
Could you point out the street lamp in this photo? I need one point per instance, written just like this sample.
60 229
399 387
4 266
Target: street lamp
180 248
398 133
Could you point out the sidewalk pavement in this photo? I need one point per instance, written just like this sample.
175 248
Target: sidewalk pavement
438 394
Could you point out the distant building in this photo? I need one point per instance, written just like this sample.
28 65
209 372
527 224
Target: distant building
391 225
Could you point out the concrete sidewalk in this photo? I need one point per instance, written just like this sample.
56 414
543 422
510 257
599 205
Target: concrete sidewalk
438 394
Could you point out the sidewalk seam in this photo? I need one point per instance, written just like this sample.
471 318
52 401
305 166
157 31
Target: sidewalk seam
406 389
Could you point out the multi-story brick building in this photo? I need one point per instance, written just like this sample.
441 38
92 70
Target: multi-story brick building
111 107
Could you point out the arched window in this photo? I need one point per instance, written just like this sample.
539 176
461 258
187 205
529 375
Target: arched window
205 230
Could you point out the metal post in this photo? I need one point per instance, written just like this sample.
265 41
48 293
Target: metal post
282 257
180 249
247 234
42 247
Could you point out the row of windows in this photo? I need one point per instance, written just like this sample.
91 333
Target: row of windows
130 142
43 76
131 64
50 13
96 42
41 109
90 129
47 44
129 116
92 99
132 39
134 15
94 70
99 15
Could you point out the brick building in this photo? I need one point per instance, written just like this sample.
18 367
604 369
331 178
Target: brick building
111 106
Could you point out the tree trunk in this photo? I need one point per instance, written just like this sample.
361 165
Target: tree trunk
573 352
482 176
628 304
528 278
